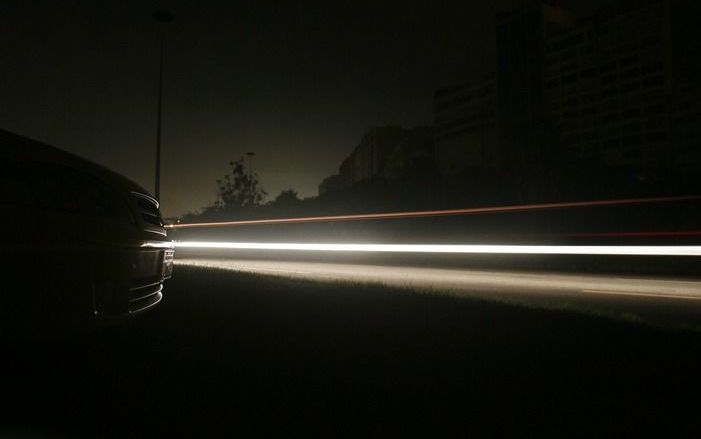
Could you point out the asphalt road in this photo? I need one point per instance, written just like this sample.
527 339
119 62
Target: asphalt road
658 300
233 354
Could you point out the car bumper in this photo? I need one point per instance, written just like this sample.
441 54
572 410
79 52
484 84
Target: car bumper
59 289
131 281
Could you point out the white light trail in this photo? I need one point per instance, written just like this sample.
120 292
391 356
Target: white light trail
621 250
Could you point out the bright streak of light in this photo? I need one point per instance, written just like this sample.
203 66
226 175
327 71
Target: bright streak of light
434 213
453 249
158 244
629 294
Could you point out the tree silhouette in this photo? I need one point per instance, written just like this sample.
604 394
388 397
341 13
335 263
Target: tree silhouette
239 189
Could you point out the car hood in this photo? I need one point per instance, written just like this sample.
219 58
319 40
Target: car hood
20 148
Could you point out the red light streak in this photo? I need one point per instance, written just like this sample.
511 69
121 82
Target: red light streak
435 213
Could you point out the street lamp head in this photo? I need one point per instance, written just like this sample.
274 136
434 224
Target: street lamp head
250 154
163 16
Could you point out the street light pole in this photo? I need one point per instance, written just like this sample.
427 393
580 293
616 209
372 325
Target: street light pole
163 17
250 164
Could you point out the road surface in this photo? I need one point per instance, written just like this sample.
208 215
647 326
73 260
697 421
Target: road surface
230 354
664 301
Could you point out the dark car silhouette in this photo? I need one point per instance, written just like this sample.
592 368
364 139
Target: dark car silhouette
81 245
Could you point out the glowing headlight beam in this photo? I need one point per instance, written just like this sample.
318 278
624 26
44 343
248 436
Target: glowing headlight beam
453 249
434 213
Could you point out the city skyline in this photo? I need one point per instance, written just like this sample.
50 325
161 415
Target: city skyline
221 98
573 101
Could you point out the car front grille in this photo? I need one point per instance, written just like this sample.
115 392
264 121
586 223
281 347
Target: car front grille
148 209
144 297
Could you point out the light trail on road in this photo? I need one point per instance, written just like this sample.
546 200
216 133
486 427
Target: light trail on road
675 302
437 213
610 250
672 300
463 278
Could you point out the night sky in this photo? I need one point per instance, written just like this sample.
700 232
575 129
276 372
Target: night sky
295 82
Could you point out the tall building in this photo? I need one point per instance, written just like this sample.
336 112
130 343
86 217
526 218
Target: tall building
571 93
608 87
623 87
465 127
620 88
523 125
330 184
413 157
370 158
686 85
346 172
389 153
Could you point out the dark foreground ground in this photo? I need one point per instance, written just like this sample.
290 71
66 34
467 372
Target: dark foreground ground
251 356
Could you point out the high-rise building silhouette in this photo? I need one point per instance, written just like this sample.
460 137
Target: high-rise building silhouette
524 127
465 127
619 89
